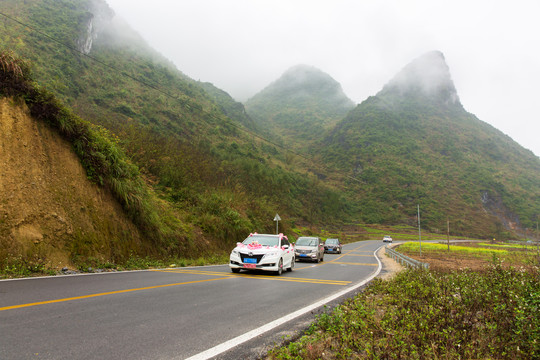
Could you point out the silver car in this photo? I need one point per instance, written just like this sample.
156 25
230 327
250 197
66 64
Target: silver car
309 248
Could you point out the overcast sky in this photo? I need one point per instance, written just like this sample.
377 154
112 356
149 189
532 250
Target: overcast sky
241 46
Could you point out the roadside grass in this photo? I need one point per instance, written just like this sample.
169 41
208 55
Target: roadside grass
418 314
413 248
507 255
18 268
511 246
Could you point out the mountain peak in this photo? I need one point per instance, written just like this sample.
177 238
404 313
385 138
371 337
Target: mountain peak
305 87
302 73
301 103
306 81
427 75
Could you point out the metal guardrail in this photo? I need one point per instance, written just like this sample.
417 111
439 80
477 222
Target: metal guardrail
404 259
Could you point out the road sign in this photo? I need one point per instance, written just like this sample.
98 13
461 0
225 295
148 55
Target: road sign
276 219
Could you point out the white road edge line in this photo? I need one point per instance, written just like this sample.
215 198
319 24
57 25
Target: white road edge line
227 345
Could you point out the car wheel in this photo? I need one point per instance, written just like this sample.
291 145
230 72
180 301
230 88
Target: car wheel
292 265
280 267
235 270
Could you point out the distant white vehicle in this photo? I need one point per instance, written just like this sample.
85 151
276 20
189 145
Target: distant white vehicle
263 252
387 238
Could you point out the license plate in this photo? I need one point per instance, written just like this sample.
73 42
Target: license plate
250 266
250 260
303 255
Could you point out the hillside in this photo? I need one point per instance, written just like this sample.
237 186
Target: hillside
192 145
299 106
191 170
414 143
233 109
50 211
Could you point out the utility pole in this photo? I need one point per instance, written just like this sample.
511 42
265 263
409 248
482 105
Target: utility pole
448 232
419 231
537 241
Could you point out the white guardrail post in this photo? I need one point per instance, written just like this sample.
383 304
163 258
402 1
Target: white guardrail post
404 259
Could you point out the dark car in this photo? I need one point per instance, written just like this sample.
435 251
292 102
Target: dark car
332 246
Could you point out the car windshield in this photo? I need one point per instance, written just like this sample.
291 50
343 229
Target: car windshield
263 240
331 241
306 241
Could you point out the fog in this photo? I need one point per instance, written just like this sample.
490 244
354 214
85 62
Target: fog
241 46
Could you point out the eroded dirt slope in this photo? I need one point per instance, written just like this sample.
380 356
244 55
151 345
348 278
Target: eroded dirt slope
49 210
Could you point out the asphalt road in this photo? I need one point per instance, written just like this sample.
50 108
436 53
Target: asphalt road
168 313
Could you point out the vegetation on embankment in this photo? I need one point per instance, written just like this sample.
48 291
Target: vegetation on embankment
191 142
19 267
164 234
431 315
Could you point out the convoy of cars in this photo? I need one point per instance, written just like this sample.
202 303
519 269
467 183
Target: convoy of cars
274 253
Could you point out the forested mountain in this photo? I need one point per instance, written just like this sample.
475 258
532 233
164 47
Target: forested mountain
195 172
230 107
300 105
414 143
190 143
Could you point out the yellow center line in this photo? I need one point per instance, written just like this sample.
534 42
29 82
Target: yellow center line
348 253
352 263
263 277
371 255
311 281
105 293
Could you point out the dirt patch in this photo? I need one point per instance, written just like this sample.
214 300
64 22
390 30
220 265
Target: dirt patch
451 261
390 267
49 210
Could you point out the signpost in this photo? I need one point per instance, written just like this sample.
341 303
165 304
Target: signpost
276 219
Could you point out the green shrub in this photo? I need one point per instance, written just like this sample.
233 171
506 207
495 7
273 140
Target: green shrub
425 315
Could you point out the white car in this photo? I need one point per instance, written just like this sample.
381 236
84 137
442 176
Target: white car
263 252
387 238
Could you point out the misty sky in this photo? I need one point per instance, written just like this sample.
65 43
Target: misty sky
492 47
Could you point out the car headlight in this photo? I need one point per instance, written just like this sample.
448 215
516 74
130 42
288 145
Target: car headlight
271 254
234 252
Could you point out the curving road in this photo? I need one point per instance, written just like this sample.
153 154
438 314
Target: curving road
178 313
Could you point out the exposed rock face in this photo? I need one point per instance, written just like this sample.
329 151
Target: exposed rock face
48 207
495 206
99 16
89 35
